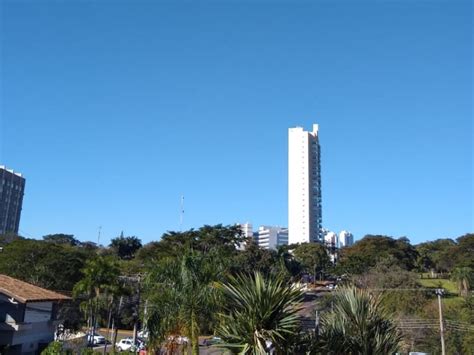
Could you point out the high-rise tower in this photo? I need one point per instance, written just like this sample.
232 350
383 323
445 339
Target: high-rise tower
304 186
12 187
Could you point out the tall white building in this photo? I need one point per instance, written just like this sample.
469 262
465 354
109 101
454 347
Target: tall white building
331 239
346 239
304 186
269 237
247 232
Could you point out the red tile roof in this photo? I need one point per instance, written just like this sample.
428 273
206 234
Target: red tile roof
25 292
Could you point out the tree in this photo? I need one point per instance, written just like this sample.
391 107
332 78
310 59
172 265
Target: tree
126 247
464 277
183 292
371 249
258 309
49 265
254 258
219 239
465 251
64 239
434 255
313 257
386 276
100 281
358 325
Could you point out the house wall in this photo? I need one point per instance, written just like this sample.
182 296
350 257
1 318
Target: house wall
23 327
11 311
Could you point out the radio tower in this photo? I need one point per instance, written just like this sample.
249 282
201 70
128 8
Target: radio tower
181 214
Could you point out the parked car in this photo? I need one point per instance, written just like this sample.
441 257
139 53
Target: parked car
95 339
143 334
178 339
126 344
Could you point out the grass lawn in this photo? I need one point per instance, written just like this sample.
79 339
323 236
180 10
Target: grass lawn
452 299
448 285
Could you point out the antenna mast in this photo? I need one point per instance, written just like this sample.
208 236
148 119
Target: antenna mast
98 236
181 215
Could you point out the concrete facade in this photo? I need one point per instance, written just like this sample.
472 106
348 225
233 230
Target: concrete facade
271 237
304 186
346 239
12 188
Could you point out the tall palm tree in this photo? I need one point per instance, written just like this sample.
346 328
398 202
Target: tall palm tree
258 310
101 278
183 293
358 325
464 277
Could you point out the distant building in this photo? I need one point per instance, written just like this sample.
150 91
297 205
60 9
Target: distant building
270 237
12 188
331 239
346 239
27 316
247 232
304 186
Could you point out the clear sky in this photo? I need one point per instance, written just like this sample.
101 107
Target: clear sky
113 110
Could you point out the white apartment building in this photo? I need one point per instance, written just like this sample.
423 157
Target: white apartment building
270 237
346 239
304 186
331 239
247 232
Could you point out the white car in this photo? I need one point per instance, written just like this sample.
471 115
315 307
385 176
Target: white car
127 345
95 339
143 334
178 339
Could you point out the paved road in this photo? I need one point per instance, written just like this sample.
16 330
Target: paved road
203 350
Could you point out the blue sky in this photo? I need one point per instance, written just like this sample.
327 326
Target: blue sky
113 110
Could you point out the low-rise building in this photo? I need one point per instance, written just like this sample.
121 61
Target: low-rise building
271 237
27 316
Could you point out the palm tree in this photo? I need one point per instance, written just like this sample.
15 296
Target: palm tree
101 279
258 310
358 325
183 294
464 277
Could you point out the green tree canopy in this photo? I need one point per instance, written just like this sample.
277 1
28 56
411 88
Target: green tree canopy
220 239
100 282
48 265
373 248
313 257
254 258
126 247
464 277
66 239
435 255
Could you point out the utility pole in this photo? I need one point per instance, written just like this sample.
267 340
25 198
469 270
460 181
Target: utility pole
114 330
316 324
136 313
439 293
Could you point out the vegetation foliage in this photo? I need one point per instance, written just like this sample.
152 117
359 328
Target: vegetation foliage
202 281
